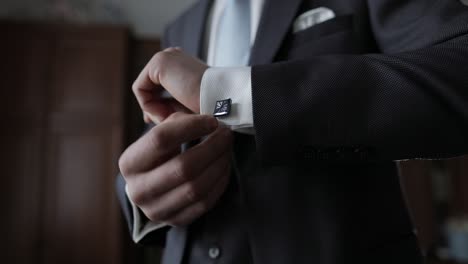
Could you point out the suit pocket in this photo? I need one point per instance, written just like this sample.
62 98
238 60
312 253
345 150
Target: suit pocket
329 27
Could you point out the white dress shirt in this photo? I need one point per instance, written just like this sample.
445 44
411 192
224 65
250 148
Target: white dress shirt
220 83
217 84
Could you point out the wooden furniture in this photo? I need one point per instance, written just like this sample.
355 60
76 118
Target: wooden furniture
417 186
458 169
61 135
435 192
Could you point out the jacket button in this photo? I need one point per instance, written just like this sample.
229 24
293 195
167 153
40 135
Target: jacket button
214 252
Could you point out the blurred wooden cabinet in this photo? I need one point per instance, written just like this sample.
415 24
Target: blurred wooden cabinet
417 186
61 102
436 192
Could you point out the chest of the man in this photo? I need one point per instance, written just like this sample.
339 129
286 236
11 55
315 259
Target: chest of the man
346 30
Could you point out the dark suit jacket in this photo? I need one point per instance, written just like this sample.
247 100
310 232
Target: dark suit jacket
385 80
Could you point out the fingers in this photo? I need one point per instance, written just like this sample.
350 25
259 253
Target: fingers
147 83
144 88
153 148
146 118
172 71
171 203
148 90
194 211
177 188
147 87
182 168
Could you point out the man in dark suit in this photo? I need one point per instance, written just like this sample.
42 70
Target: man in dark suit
337 91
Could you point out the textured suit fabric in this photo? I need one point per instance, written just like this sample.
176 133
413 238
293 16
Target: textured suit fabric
408 101
384 80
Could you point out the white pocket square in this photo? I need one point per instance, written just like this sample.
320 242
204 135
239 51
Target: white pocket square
312 17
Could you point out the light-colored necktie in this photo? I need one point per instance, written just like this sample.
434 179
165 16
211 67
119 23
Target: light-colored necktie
233 36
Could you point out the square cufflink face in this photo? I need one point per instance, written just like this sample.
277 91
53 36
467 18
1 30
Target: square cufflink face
222 108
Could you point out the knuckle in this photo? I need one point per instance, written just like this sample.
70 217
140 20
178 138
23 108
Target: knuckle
159 59
192 193
181 171
124 165
136 196
170 49
135 87
158 138
156 64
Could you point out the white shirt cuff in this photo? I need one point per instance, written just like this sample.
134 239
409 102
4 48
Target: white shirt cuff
233 83
140 229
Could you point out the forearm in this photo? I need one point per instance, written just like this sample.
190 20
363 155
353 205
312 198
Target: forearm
377 106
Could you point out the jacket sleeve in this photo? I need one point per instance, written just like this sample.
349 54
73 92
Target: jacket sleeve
156 237
408 101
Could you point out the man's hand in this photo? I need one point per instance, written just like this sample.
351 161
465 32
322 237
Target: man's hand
178 74
176 188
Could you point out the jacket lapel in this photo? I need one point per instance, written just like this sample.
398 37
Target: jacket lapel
275 23
196 21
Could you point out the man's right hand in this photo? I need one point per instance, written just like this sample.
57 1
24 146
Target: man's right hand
173 187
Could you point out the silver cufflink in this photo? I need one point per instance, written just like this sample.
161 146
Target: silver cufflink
222 108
